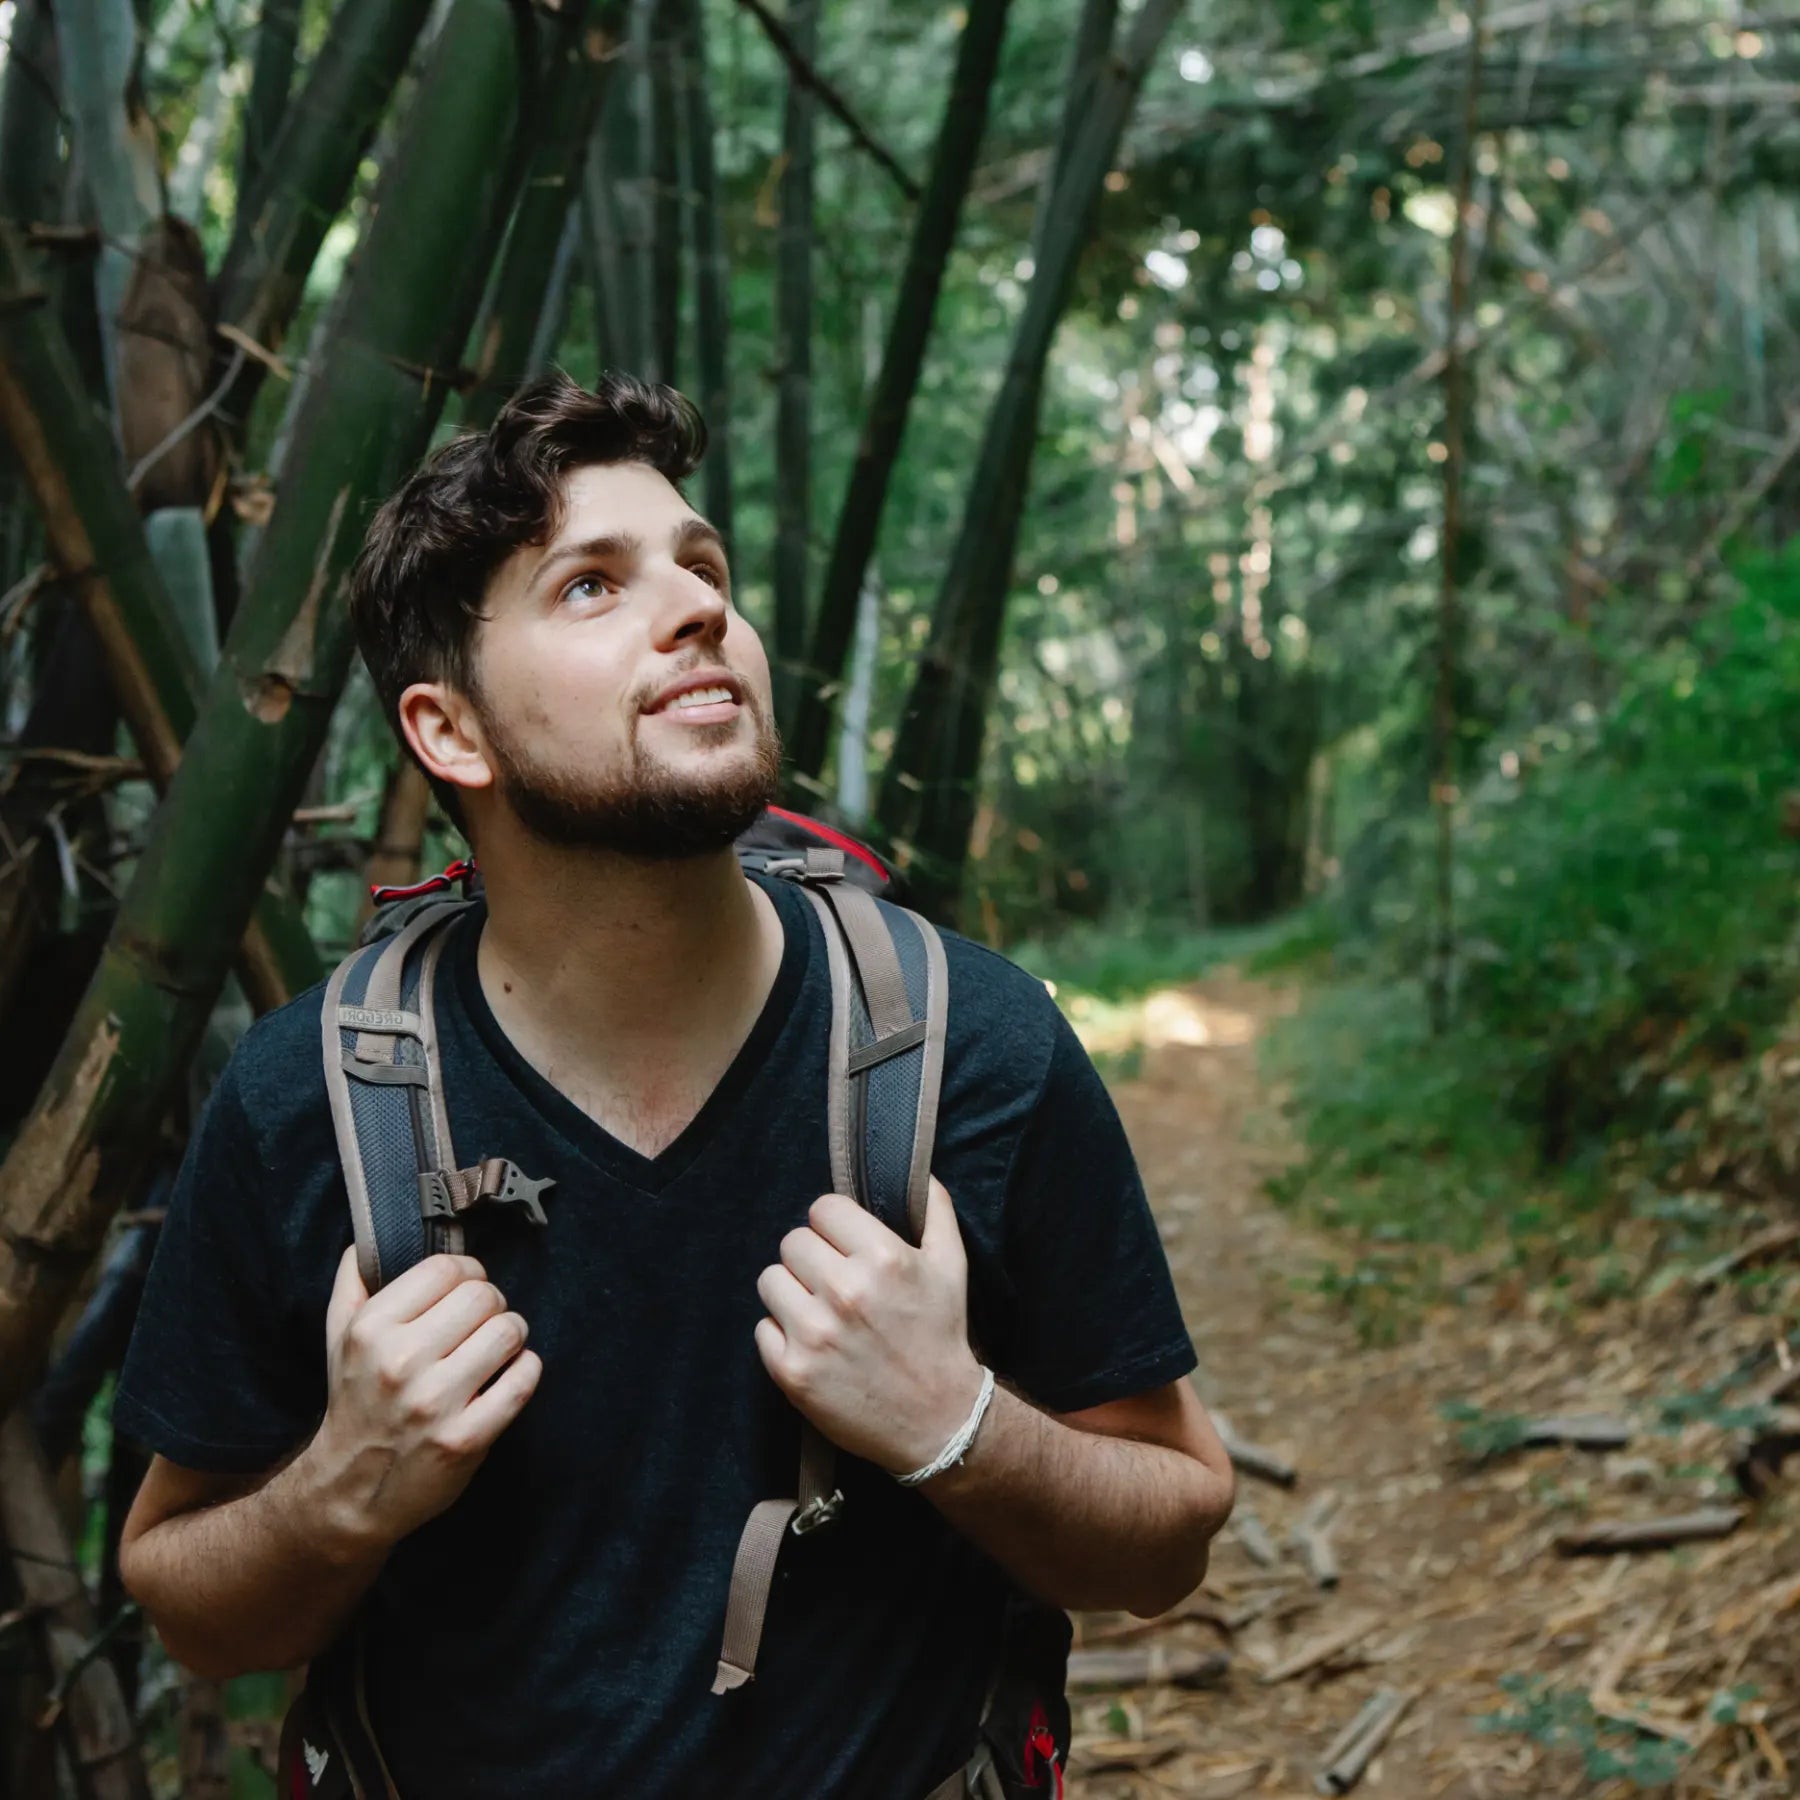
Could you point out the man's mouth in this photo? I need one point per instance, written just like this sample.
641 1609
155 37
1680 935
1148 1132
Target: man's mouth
700 699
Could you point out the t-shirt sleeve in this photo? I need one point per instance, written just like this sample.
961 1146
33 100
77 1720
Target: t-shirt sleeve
211 1380
1097 1318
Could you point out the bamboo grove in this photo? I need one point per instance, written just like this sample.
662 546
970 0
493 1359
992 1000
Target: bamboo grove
1183 460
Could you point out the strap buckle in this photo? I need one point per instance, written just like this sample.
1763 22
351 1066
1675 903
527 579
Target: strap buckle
443 1193
817 1512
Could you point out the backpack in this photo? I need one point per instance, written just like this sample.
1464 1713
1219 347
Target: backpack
407 1196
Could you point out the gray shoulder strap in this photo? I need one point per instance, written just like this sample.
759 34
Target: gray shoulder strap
890 1002
383 1077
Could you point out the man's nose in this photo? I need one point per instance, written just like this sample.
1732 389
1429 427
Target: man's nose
689 608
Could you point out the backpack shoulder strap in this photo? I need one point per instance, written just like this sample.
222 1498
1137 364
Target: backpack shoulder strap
890 1003
385 1083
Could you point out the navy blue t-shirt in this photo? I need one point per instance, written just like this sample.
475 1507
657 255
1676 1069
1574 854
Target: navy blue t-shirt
556 1630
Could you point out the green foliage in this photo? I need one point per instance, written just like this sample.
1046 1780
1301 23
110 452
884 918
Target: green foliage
1564 1719
1483 1436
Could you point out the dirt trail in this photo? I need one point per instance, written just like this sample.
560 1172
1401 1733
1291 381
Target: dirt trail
1455 1569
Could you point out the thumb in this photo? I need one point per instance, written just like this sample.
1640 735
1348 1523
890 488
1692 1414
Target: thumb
348 1295
941 1239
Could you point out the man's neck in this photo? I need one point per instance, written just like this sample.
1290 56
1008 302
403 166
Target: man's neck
615 973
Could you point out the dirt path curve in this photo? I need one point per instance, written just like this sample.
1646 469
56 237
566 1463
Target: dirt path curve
1455 1574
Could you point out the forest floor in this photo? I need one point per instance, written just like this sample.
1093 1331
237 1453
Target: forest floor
1680 1664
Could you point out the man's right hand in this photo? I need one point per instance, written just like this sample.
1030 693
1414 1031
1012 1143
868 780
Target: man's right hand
410 1415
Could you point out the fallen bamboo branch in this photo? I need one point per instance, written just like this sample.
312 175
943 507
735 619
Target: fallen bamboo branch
1254 1536
1311 1540
1254 1459
1321 1650
1583 1431
1652 1534
1148 1665
1353 1749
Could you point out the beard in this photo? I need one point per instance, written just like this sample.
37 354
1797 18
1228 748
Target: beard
646 808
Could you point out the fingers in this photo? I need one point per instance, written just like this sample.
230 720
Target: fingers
941 1239
478 1357
789 1303
436 1333
348 1295
849 1227
422 1286
818 1265
489 1414
771 1346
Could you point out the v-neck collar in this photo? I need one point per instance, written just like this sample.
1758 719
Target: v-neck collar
586 1135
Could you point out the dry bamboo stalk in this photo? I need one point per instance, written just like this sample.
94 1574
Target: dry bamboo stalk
1253 1459
1585 1431
87 1699
1150 1665
1311 1538
1651 1534
1354 1748
1251 1533
1321 1649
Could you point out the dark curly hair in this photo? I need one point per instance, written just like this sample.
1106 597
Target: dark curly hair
417 585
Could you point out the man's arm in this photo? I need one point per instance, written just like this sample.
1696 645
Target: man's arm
1115 1506
1109 1507
251 1573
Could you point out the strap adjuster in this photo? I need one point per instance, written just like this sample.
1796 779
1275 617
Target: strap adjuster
817 1512
443 1193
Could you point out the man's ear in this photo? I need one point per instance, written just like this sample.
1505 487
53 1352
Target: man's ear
445 734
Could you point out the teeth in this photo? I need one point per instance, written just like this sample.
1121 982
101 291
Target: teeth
701 697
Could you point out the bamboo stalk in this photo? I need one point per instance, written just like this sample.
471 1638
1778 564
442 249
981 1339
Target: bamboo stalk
793 376
927 795
66 452
909 330
412 295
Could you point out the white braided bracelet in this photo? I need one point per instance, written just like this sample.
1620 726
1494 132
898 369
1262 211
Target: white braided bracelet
958 1447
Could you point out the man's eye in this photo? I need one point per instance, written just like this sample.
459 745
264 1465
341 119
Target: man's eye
711 573
587 587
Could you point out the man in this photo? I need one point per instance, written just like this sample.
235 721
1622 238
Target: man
523 1471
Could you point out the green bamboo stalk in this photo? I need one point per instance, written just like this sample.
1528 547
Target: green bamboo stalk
325 132
793 374
414 290
70 462
31 176
663 161
927 801
578 55
271 82
712 275
909 329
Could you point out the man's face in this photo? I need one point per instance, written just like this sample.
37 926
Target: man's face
624 702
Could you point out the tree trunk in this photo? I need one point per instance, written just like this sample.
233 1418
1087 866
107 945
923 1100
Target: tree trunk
414 290
793 367
877 450
271 82
928 791
579 54
97 541
712 277
324 135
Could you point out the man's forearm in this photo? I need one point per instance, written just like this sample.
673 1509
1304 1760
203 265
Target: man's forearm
259 1582
1080 1519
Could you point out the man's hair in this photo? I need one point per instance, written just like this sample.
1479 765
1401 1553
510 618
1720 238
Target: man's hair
417 585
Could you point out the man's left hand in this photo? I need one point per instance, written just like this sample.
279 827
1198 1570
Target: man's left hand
869 1337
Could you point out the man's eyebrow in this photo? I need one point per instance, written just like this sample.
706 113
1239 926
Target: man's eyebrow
699 531
594 549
